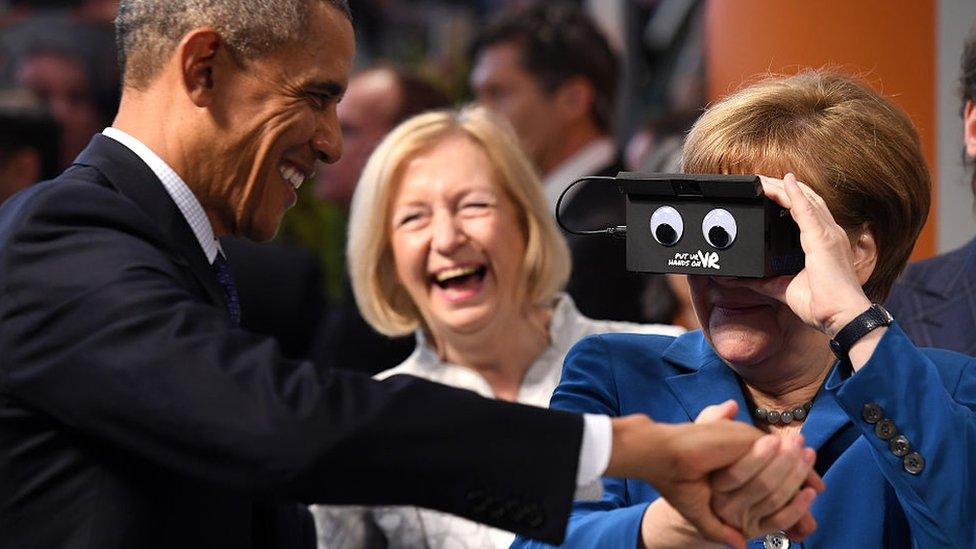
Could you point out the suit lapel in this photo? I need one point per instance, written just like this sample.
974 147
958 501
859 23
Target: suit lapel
943 298
710 381
133 178
825 420
964 322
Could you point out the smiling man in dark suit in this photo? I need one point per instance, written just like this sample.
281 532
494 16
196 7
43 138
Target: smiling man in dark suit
135 412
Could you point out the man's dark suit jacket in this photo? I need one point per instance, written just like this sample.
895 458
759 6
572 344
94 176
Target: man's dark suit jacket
280 292
600 283
346 340
935 300
133 414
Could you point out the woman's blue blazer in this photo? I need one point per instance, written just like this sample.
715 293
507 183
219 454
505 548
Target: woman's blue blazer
871 501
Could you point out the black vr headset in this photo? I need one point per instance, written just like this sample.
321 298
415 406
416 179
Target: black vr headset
718 225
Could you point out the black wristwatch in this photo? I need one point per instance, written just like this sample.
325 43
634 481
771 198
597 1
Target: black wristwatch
875 317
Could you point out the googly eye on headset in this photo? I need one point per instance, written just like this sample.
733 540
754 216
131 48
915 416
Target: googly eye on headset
719 228
667 226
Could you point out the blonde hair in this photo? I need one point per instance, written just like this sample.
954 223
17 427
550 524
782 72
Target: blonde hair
851 145
382 300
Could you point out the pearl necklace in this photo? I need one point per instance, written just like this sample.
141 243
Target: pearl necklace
786 417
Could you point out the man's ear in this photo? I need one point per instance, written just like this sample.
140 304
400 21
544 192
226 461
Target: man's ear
198 53
865 251
969 128
575 98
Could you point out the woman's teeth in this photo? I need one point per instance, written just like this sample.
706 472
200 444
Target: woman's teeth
292 176
456 272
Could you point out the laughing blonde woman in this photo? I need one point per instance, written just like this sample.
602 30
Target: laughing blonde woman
450 239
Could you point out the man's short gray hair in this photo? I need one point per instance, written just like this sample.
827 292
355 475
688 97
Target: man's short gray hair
147 31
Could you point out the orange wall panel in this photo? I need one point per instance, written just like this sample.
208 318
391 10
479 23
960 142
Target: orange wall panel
890 43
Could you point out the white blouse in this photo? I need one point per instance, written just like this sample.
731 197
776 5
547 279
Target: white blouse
348 527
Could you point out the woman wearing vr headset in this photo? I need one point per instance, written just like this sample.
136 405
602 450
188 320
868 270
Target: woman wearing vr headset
808 355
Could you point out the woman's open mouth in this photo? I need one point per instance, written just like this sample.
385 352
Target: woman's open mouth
460 283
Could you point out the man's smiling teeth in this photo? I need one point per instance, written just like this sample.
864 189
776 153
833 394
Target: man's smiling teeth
291 175
456 272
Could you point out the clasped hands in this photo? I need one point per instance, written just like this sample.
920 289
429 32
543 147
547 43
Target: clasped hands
768 488
720 480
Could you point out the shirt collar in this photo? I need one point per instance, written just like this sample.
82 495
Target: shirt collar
539 380
589 160
181 194
564 315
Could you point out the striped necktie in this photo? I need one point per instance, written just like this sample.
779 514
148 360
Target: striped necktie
225 279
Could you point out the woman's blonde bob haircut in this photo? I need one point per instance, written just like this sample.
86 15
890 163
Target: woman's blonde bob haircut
382 300
851 145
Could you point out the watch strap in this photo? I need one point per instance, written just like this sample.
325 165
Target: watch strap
875 317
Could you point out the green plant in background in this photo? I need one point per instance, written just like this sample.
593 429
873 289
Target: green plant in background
319 227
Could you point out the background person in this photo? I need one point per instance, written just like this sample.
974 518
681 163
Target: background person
60 80
935 299
549 71
133 405
377 99
28 142
68 62
893 425
480 261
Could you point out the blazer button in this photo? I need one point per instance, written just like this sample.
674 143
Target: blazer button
900 446
885 429
872 413
914 463
776 540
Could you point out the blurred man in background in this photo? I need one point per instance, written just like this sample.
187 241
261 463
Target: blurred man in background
935 299
378 99
59 79
28 142
66 55
552 74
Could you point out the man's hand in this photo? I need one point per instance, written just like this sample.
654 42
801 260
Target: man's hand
770 488
678 460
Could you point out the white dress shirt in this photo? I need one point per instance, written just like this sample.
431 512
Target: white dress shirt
185 200
592 158
347 527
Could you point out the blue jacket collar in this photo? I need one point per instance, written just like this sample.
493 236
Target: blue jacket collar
705 380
